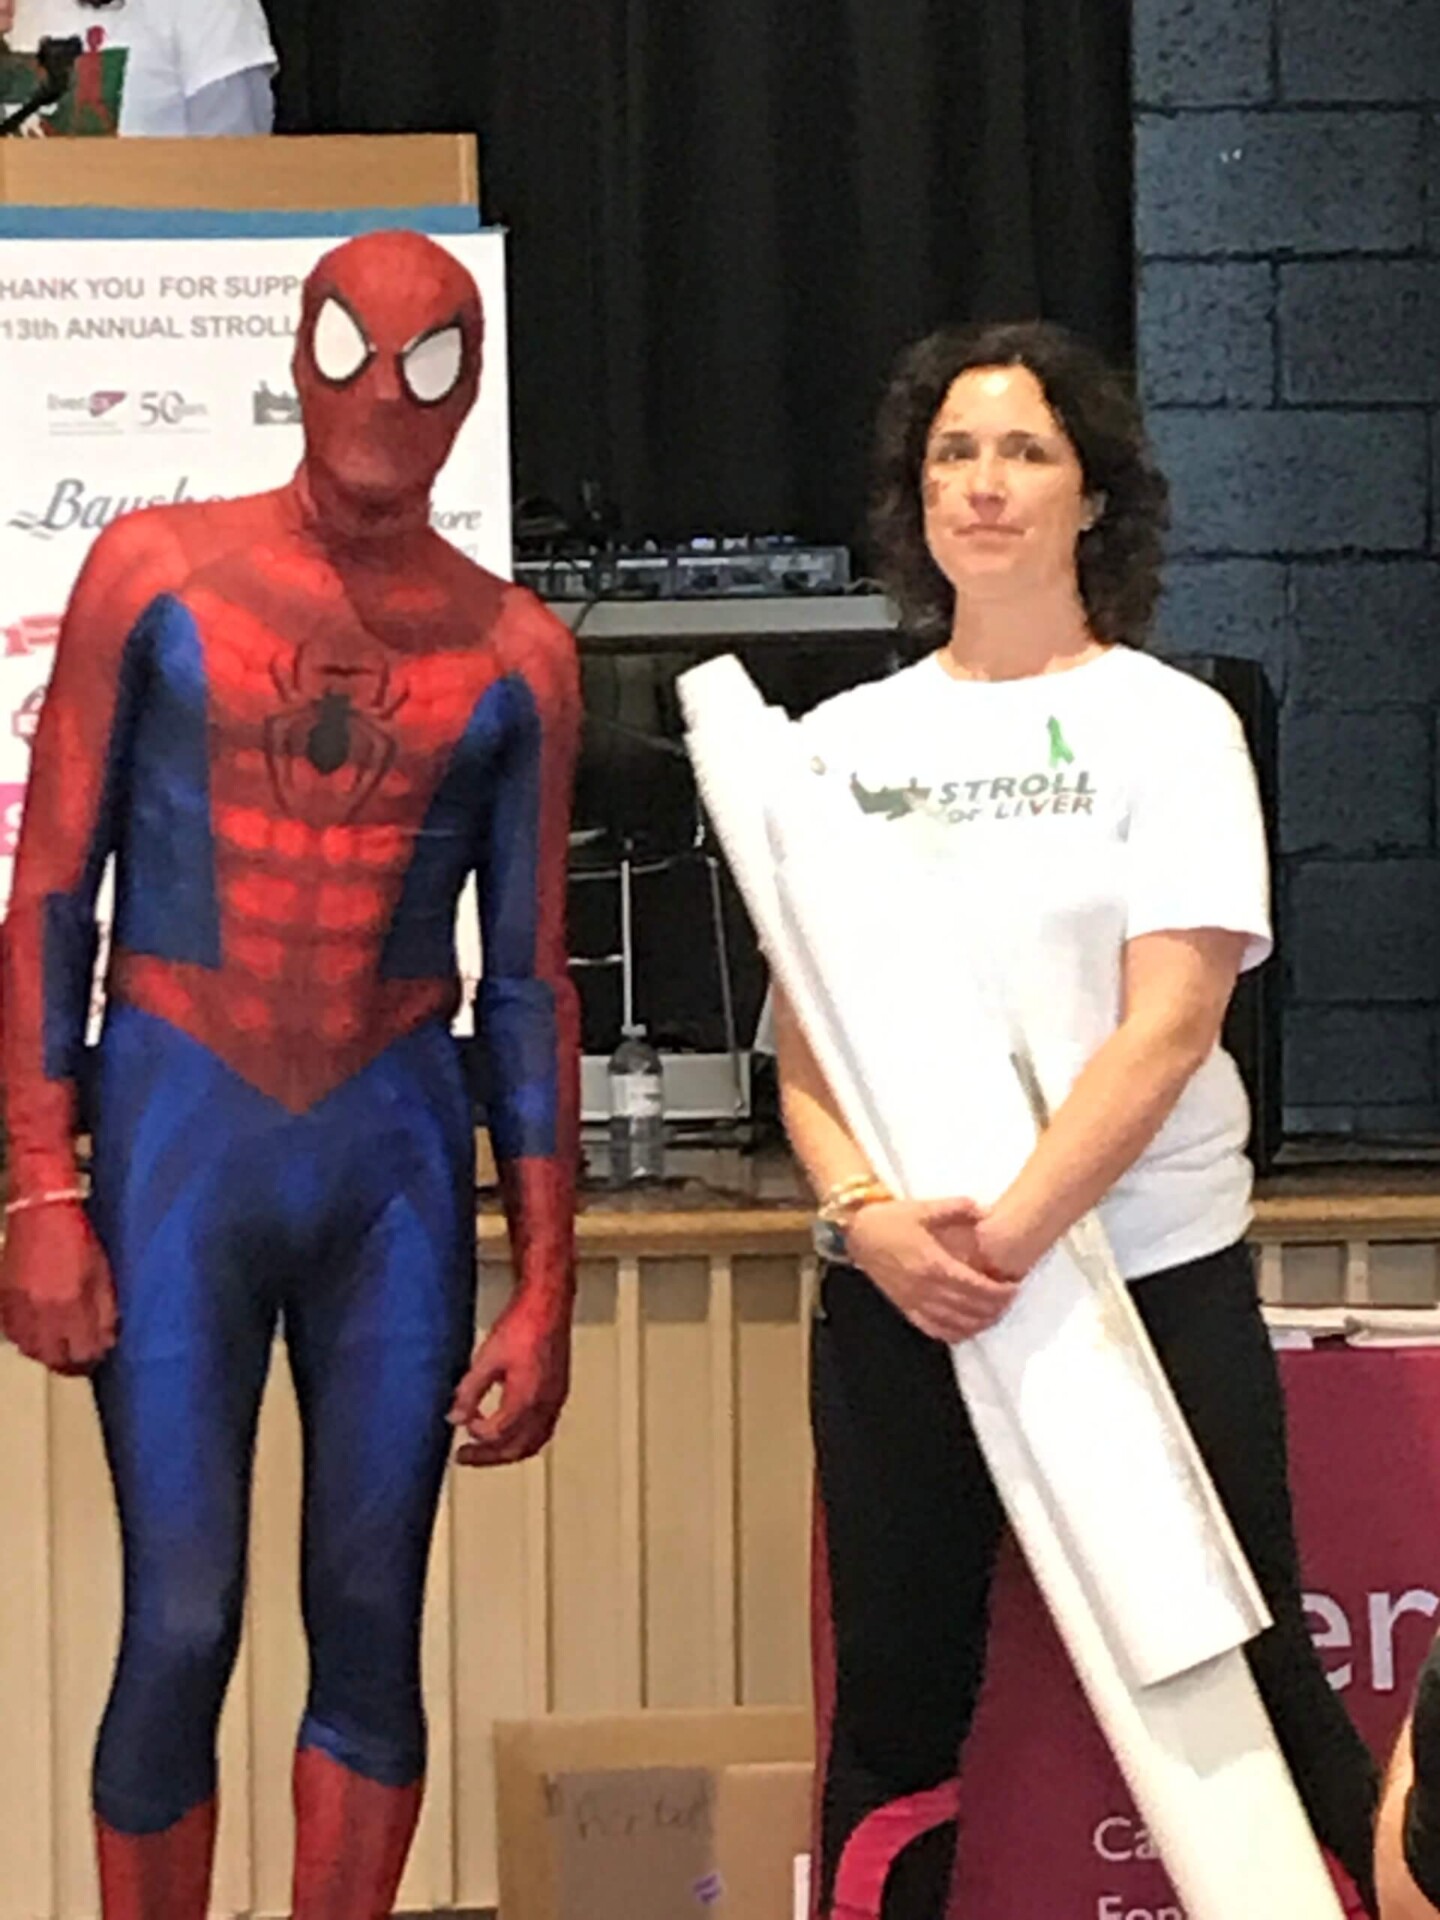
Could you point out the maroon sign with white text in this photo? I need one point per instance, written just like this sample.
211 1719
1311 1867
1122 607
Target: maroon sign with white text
1048 1830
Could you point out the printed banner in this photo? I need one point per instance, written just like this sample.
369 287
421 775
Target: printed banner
134 372
91 103
1048 1831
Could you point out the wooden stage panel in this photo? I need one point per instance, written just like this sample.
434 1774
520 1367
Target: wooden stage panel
658 1554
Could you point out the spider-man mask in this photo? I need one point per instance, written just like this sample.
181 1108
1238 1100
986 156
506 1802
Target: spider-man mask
387 364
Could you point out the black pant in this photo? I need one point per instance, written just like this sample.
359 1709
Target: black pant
912 1525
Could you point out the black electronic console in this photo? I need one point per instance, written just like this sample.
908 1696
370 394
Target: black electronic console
745 567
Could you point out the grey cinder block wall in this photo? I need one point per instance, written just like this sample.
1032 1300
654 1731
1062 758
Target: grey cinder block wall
1288 209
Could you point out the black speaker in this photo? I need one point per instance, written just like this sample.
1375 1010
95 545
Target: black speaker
1253 1028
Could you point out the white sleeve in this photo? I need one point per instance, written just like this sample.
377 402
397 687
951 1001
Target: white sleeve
218 38
1196 853
241 104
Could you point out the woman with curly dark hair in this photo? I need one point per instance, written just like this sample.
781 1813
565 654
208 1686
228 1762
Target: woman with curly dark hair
1099 811
1118 556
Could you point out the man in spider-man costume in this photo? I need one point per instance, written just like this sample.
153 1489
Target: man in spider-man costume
299 722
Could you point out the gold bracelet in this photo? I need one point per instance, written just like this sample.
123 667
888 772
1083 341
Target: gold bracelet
842 1190
848 1196
57 1199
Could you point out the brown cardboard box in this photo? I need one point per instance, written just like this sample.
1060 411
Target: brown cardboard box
762 1821
653 1816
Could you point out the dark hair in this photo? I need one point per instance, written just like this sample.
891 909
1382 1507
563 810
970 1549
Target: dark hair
1118 560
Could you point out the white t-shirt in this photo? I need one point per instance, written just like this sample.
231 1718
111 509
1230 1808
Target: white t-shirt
1079 810
174 50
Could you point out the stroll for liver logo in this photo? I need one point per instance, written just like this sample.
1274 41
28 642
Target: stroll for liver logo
1057 788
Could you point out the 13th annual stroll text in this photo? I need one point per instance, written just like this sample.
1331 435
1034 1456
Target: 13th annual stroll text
99 290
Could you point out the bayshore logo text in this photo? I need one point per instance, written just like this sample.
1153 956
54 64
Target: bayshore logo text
71 508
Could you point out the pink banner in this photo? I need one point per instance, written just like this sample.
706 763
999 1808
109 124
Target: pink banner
1048 1829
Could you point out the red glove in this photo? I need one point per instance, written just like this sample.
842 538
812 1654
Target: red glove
57 1298
526 1355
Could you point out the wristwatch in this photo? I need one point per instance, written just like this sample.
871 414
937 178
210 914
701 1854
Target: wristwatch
836 1211
828 1239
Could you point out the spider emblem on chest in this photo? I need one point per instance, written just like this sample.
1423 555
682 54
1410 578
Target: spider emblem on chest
330 744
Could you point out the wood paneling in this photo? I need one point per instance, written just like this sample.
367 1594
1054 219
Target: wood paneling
656 1556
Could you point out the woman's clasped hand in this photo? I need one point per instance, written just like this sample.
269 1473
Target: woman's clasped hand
927 1258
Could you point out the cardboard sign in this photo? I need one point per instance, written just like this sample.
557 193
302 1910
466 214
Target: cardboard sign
654 1816
1049 1831
634 1843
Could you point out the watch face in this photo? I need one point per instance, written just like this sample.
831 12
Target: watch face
829 1242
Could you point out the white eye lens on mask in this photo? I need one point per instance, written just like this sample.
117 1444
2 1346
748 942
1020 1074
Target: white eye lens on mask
340 349
432 366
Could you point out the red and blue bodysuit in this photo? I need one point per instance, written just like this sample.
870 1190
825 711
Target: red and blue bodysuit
298 723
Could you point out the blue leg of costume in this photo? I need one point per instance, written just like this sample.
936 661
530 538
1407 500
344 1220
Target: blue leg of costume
225 1216
379 1333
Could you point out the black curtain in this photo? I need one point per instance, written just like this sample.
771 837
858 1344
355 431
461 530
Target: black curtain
375 66
726 219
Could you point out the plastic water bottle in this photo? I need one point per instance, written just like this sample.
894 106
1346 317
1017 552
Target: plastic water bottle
637 1111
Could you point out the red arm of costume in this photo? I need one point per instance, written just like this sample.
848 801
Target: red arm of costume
529 1022
54 1288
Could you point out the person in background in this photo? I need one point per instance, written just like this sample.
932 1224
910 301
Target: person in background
163 68
1018 527
1407 1851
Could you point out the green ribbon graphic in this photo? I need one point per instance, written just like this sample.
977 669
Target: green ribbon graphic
1060 754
